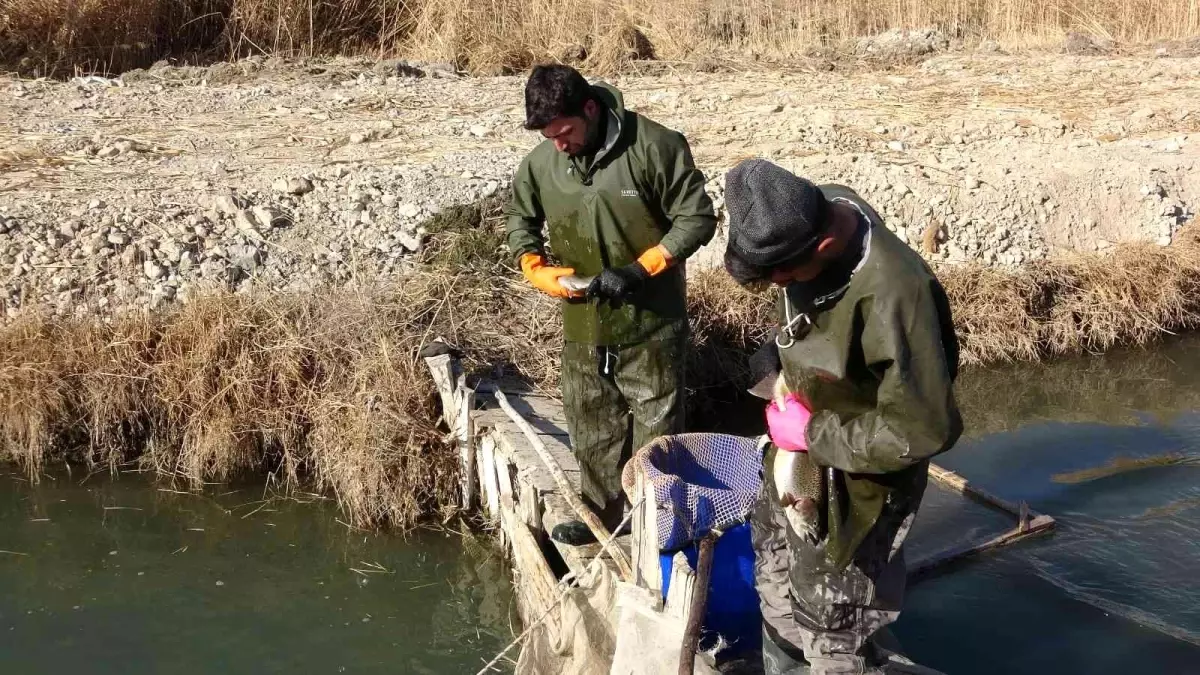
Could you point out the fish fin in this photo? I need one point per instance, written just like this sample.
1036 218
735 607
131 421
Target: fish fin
780 391
804 519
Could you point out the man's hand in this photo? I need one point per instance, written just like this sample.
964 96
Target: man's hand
616 285
543 277
787 425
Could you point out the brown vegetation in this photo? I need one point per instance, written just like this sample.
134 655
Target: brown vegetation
329 388
1083 302
57 35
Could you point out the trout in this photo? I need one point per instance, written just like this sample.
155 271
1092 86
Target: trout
799 482
575 284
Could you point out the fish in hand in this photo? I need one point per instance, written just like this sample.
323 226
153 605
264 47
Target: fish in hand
575 284
799 482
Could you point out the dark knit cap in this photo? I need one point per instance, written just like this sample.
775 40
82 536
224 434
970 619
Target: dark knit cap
776 218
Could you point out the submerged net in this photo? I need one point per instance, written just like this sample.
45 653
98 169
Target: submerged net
701 482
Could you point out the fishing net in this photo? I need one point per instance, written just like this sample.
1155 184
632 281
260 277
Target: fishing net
700 481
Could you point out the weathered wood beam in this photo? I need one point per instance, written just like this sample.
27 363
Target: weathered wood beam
568 493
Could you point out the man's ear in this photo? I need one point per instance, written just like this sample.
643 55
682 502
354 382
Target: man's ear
824 246
590 109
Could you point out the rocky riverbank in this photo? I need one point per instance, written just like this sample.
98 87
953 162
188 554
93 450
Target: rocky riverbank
151 189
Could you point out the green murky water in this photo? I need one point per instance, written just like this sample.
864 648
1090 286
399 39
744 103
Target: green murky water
1115 589
120 576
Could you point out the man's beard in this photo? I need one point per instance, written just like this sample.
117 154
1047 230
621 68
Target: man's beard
594 137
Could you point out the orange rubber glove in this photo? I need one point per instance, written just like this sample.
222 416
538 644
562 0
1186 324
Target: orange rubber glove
543 277
656 260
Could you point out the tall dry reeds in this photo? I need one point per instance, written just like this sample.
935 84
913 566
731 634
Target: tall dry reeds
503 35
325 389
1083 302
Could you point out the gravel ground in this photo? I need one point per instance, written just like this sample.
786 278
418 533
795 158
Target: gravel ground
142 191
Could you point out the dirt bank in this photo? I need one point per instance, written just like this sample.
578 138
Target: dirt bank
295 226
294 176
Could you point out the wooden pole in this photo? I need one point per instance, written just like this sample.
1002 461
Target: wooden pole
699 604
959 484
568 492
921 568
1029 524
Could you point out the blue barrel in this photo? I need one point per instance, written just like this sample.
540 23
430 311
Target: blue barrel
733 611
702 482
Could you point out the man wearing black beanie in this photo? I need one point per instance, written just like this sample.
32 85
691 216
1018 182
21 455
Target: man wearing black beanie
867 356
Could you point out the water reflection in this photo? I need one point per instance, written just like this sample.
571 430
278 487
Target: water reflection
123 577
1114 589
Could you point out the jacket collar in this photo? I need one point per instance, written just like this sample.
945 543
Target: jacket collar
614 104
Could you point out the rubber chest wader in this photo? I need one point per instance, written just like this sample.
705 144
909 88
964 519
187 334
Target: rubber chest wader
824 598
622 367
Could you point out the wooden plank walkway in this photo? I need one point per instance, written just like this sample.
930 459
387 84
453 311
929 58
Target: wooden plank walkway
548 508
509 482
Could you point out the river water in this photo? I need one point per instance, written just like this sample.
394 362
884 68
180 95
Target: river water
1116 588
123 576
104 576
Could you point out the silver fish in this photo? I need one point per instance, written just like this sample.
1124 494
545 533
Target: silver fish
575 284
799 482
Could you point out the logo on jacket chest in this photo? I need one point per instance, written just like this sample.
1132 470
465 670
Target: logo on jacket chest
630 192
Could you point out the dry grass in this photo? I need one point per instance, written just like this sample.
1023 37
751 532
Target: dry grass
506 35
324 389
328 390
1131 296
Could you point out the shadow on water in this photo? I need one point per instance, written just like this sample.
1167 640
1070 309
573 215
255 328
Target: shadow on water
1111 448
118 576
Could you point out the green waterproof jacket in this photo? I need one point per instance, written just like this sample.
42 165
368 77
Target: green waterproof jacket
877 368
641 189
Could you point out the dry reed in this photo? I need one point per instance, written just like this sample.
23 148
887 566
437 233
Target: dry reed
507 35
328 389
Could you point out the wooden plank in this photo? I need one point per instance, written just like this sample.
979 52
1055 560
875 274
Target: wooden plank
525 458
529 506
479 474
542 430
541 425
465 434
540 407
504 488
491 487
679 595
646 565
441 367
504 480
959 484
536 582
1038 525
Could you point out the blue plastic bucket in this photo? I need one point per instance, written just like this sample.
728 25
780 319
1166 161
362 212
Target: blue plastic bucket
733 611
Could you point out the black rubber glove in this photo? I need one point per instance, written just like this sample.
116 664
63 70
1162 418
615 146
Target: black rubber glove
617 284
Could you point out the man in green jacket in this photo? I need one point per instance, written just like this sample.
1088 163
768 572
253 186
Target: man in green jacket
624 205
867 350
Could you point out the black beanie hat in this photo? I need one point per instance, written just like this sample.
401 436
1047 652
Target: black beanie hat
775 219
